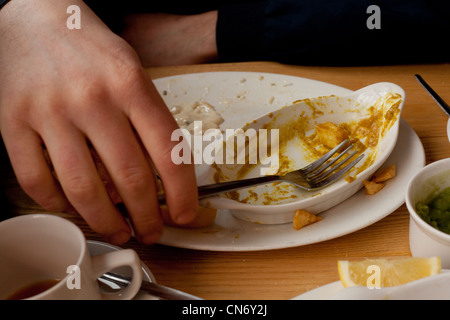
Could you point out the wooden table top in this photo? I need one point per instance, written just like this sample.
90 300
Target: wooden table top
286 273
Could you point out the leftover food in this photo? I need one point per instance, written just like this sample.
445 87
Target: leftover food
303 218
436 211
377 182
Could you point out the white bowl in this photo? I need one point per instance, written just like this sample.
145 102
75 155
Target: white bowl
425 240
337 109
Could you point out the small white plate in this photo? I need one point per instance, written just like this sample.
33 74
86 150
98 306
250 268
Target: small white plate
98 247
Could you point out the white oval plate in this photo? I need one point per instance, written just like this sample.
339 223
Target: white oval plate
258 94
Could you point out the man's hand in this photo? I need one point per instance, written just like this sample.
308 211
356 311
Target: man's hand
63 89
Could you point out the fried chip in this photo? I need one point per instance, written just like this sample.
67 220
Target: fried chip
376 182
303 218
372 187
385 174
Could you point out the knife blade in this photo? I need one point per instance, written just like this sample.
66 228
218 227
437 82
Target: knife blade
444 106
155 289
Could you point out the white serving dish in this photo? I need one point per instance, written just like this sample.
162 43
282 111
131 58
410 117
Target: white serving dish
336 109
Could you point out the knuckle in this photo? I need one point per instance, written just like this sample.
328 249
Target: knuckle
135 179
124 57
80 188
92 92
127 73
30 181
179 170
165 158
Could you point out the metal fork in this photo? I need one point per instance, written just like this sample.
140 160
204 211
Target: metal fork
316 175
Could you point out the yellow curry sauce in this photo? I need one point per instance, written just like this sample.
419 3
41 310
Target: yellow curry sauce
366 133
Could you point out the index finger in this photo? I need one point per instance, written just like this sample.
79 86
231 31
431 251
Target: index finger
155 124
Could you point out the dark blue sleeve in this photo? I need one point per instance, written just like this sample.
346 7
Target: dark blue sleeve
240 31
330 32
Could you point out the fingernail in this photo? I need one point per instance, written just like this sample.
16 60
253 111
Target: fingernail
186 217
119 238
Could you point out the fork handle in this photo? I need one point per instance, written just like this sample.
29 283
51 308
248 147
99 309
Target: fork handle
212 189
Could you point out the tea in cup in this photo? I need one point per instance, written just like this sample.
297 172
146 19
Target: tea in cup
45 257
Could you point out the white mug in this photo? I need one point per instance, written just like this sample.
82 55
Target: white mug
45 251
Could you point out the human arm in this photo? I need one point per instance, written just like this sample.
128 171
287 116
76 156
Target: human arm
303 32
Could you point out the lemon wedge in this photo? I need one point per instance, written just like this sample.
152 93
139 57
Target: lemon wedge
386 272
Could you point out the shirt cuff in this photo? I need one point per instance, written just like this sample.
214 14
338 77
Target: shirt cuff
240 32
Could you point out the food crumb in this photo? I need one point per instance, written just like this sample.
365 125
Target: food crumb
385 174
377 181
372 187
303 218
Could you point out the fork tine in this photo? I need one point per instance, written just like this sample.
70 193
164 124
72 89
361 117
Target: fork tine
331 170
312 166
322 176
322 168
337 175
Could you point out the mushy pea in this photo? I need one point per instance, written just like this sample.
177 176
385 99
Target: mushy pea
437 211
